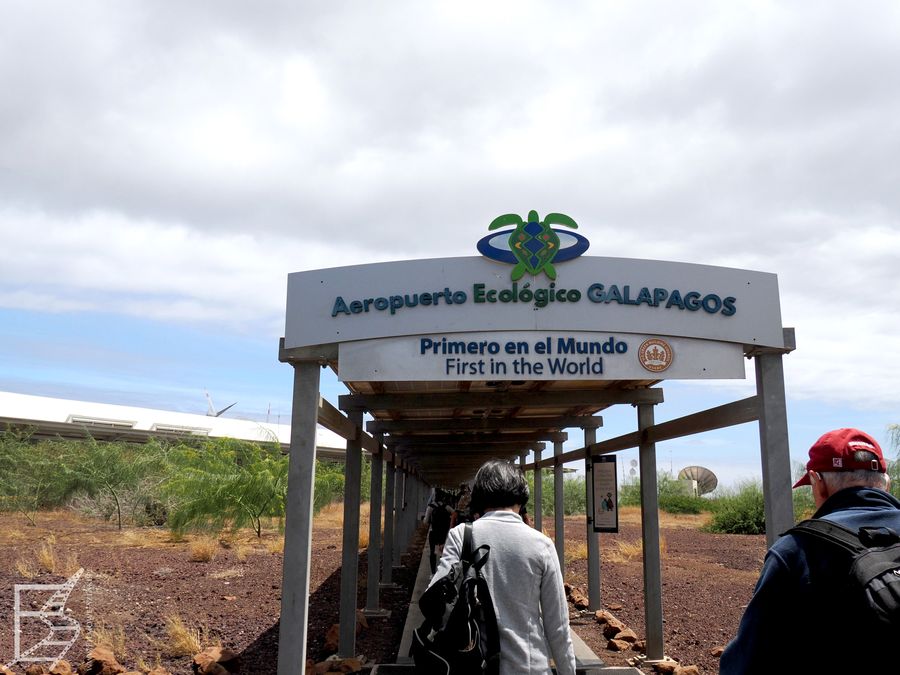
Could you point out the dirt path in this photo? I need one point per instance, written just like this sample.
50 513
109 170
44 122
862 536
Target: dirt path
135 579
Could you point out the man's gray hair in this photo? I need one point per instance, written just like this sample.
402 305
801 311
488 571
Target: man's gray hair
838 480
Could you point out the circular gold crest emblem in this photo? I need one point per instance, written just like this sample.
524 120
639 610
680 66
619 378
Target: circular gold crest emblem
655 355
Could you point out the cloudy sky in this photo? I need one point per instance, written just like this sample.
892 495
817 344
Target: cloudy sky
163 166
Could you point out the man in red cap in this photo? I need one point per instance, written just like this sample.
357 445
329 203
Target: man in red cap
798 619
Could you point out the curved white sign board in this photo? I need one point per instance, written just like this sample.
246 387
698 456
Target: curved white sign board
592 294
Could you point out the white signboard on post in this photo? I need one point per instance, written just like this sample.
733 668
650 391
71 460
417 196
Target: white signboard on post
606 496
545 355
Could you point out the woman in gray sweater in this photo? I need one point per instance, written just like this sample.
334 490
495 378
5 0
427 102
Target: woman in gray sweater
522 573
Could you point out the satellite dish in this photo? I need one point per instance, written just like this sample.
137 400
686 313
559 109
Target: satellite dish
706 479
633 463
632 472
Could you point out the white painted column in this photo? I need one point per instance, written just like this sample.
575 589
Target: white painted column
350 547
374 549
774 447
593 538
538 490
387 563
559 514
399 482
653 616
298 521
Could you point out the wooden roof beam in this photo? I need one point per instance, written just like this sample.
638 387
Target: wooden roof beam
499 400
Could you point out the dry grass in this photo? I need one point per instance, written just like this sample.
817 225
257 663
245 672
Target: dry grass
111 637
70 565
631 515
241 551
227 574
626 551
184 640
203 549
26 568
275 545
131 538
145 667
575 550
332 516
46 555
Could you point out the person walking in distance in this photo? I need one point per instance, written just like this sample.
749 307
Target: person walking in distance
804 616
437 515
522 574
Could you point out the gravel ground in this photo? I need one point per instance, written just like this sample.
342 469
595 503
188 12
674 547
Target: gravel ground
136 579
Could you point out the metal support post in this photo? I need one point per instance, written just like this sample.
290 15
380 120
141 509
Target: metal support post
653 616
538 492
350 547
559 514
593 538
398 514
374 554
298 521
387 563
773 442
404 517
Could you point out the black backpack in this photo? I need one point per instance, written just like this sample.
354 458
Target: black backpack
874 574
440 517
459 634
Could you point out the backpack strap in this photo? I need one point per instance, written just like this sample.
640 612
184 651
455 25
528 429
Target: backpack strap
829 531
471 556
468 545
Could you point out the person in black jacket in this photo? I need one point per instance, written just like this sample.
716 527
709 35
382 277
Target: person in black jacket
799 620
438 515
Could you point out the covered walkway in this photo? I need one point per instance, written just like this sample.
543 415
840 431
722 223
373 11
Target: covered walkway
503 383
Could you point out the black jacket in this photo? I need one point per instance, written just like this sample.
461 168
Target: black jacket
796 621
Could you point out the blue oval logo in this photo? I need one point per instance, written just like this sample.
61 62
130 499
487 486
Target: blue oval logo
496 246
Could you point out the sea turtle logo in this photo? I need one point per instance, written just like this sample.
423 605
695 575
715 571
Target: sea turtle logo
533 245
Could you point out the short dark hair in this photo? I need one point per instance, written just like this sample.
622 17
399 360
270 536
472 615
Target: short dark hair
498 485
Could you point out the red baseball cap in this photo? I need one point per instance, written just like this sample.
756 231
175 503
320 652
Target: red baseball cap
834 452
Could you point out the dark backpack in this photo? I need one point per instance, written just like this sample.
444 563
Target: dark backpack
459 634
874 576
440 518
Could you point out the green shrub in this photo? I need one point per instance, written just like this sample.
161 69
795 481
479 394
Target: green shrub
804 504
573 493
742 512
670 492
682 504
630 493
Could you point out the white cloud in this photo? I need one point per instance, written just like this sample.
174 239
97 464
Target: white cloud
177 161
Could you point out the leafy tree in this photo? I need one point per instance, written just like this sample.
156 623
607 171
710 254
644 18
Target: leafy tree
33 475
113 469
329 483
226 482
